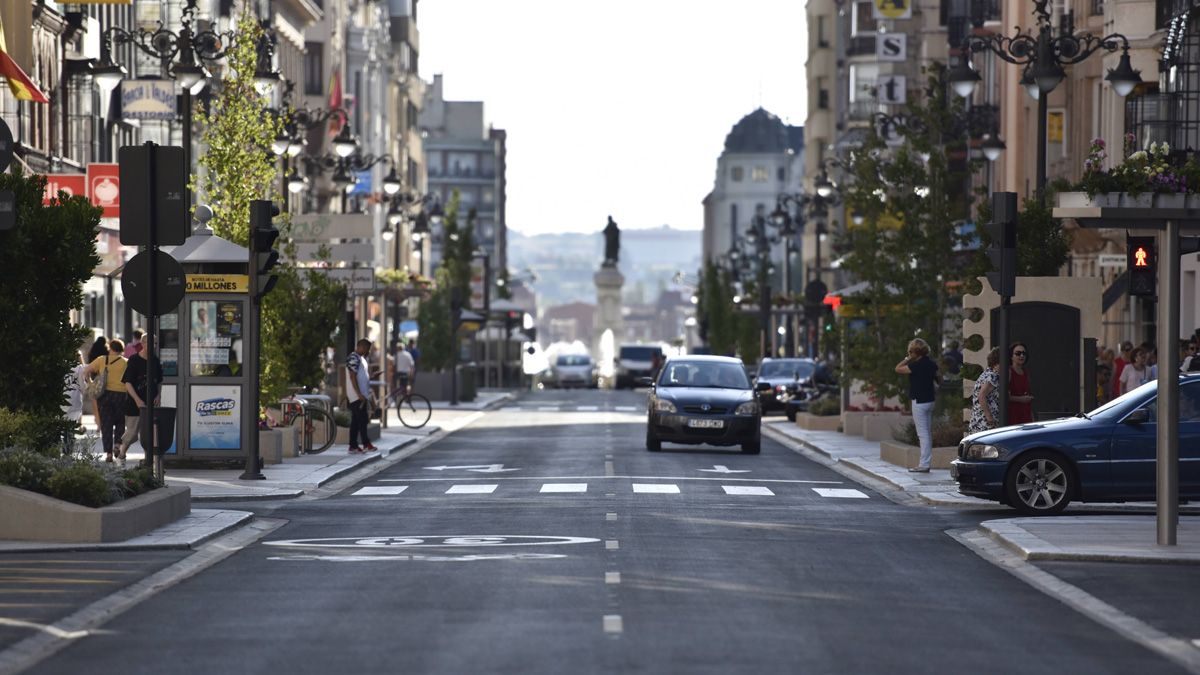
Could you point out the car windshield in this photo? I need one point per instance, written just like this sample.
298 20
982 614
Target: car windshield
574 360
639 353
707 374
1127 401
793 369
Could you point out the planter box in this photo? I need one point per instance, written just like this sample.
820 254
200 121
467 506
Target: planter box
30 516
1142 200
882 426
903 454
374 431
1176 200
852 422
818 422
270 446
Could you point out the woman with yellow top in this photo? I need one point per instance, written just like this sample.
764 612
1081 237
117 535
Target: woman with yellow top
111 366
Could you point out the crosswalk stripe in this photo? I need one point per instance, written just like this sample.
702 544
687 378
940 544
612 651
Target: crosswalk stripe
381 490
625 408
564 487
472 489
747 490
547 408
656 488
587 408
843 493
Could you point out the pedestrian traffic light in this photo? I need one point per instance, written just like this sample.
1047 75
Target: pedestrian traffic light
827 319
1143 265
1002 249
263 255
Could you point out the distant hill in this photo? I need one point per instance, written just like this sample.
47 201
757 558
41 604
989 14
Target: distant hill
565 263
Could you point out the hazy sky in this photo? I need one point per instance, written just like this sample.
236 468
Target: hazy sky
615 107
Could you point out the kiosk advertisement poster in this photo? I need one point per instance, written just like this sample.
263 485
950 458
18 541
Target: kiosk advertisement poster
216 337
215 422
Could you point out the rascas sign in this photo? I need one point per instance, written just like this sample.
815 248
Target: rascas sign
218 283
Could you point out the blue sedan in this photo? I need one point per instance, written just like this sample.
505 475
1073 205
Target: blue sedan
704 399
1107 455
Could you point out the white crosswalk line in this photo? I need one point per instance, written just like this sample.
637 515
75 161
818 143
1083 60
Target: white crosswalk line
587 408
472 489
843 493
656 488
381 490
548 408
747 490
625 408
564 487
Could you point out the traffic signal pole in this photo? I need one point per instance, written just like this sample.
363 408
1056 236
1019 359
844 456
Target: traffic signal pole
263 257
1167 460
1003 279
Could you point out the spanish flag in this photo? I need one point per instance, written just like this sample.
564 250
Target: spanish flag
18 82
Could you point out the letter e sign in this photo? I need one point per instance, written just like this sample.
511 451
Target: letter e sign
891 46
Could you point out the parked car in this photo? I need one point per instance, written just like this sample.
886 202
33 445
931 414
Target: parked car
572 370
704 399
1106 455
787 378
636 361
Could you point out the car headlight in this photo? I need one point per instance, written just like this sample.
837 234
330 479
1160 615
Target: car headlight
747 408
663 406
982 451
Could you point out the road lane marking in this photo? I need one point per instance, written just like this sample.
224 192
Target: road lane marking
472 489
579 478
612 577
656 488
747 490
548 408
610 517
608 469
626 408
612 623
612 545
721 468
564 487
840 493
587 408
381 490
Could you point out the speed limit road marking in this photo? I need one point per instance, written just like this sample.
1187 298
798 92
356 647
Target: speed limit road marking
431 541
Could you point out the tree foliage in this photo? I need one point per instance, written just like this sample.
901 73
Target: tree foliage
1043 246
727 331
451 282
44 261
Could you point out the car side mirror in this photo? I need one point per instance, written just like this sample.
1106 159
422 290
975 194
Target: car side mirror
1139 416
645 382
762 386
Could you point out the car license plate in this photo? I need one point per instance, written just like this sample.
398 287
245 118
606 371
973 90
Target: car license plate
706 424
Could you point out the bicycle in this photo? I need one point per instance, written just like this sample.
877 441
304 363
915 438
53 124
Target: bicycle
413 410
316 426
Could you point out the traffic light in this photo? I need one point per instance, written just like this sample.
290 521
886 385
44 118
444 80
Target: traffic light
264 257
511 319
1143 265
1002 251
827 319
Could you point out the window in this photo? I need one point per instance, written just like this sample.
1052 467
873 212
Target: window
823 93
781 174
760 174
1056 135
862 81
862 23
822 31
736 174
314 68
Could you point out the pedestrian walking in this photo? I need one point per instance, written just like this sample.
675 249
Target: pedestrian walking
91 403
985 398
136 378
1119 364
922 390
135 344
1135 374
416 353
1020 396
406 369
109 369
359 394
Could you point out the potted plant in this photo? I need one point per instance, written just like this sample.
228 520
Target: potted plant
1145 178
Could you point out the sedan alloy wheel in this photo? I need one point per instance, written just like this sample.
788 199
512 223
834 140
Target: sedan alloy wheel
1040 484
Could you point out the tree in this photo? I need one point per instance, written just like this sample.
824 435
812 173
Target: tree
453 278
44 261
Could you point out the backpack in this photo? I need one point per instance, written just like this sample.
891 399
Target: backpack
96 387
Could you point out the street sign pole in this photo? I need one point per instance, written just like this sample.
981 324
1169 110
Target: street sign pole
152 461
1167 460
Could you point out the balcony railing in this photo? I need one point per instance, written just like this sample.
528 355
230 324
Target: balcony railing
1173 117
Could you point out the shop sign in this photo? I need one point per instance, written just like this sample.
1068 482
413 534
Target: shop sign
148 99
218 283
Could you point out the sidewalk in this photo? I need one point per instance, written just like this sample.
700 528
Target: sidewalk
292 478
1130 537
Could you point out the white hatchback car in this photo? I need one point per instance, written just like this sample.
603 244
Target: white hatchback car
573 370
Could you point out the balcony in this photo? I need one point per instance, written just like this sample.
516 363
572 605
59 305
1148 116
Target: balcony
1173 117
861 45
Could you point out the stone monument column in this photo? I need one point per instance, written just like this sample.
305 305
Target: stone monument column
609 282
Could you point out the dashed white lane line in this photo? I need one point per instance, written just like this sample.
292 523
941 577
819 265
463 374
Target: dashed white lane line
612 623
656 488
612 577
587 408
747 490
381 490
843 493
625 408
610 517
564 487
548 408
608 469
612 545
472 489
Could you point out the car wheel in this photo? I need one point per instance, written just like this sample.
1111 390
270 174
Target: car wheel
752 447
1040 483
652 443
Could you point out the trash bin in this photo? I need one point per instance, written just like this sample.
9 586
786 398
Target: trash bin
164 429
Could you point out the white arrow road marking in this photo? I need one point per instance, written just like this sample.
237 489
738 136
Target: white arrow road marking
843 493
477 468
721 468
381 490
747 490
660 488
472 489
564 487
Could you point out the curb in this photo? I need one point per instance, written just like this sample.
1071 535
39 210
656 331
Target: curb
243 519
1031 547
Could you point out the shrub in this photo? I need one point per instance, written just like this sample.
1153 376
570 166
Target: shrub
825 406
947 432
130 483
25 469
39 433
81 484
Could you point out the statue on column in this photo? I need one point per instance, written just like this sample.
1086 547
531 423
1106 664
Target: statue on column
612 243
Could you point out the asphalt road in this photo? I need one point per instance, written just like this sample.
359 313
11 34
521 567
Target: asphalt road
545 539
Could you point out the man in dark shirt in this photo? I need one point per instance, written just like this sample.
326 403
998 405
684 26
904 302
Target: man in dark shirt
135 380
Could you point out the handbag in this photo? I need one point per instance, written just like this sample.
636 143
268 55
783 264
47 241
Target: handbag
97 386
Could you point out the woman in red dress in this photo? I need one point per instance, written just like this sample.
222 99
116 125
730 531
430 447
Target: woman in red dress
1020 401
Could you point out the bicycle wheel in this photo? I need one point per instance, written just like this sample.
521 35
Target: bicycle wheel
322 428
414 411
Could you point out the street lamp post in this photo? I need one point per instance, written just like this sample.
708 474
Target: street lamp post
1043 56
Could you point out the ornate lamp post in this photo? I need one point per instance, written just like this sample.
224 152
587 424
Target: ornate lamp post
1043 56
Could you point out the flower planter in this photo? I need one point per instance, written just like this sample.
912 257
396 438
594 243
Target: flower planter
882 426
1193 201
30 516
1074 200
818 422
1176 200
852 422
1143 200
903 454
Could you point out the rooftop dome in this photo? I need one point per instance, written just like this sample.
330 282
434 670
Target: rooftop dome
760 131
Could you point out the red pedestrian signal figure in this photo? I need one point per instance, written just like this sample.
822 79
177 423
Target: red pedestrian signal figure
1141 260
1139 257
